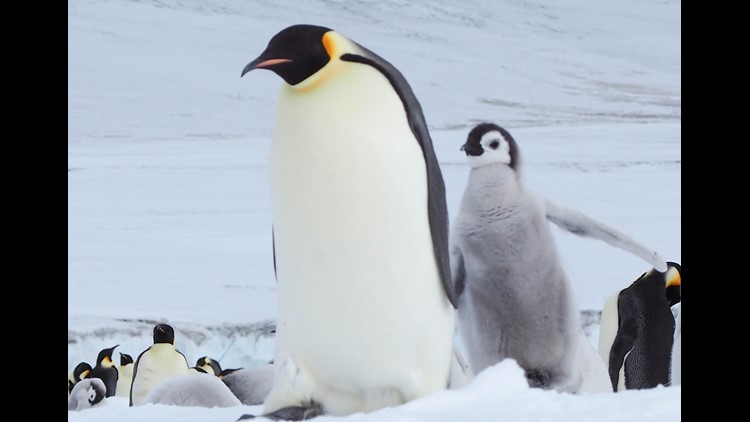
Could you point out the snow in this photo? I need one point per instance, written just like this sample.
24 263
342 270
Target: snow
168 202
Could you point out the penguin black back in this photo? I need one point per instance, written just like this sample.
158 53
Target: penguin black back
643 344
81 371
106 370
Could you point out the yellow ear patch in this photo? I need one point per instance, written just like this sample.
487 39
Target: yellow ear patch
673 277
329 42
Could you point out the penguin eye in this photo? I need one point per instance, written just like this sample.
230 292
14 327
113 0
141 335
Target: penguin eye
92 394
494 144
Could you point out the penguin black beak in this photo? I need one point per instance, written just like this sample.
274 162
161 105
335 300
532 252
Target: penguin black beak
472 149
262 62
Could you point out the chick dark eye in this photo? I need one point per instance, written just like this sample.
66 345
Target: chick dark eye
494 144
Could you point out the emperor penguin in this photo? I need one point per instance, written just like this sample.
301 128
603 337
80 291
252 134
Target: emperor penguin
514 297
155 364
87 393
80 372
125 375
637 327
207 365
360 232
106 370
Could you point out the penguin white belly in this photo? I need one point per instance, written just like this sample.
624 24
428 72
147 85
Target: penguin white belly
363 319
125 377
154 366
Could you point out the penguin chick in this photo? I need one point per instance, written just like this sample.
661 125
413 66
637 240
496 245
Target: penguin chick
187 390
87 393
514 297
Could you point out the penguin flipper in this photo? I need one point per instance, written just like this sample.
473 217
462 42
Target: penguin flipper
458 271
582 225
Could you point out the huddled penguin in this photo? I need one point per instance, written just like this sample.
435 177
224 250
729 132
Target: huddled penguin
106 370
87 393
514 297
80 372
360 232
155 364
207 365
125 375
250 385
637 328
191 390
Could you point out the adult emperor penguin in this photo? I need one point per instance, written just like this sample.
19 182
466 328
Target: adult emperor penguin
155 364
80 372
207 365
636 334
514 297
125 375
106 370
360 229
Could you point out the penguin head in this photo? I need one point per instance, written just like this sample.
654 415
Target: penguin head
674 283
303 55
208 365
96 391
105 357
163 333
81 371
125 359
488 143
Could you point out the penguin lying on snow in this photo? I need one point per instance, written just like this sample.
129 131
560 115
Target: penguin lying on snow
360 232
637 327
195 390
514 296
87 393
250 385
155 364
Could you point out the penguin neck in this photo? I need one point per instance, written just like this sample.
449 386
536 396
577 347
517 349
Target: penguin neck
492 187
162 347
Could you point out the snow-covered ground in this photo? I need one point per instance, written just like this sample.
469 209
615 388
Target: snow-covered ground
168 203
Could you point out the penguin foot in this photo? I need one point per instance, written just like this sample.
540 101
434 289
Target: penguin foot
290 413
538 378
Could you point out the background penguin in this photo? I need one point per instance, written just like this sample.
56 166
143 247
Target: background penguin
250 385
155 364
675 368
106 370
360 230
80 372
207 365
514 296
87 393
637 331
190 390
125 375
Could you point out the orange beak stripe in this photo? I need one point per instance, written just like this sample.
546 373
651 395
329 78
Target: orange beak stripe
272 62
